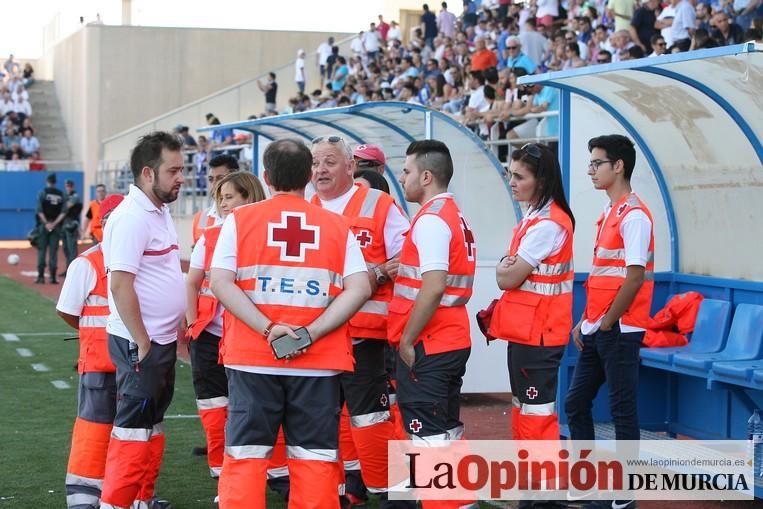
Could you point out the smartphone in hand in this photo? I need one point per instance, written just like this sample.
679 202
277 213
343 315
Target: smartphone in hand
286 345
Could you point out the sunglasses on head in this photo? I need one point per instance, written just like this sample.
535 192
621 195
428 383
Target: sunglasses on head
328 139
365 163
532 150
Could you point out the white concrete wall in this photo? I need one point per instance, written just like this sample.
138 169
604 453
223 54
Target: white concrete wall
110 78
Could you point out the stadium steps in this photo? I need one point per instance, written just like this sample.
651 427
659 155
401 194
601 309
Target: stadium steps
47 121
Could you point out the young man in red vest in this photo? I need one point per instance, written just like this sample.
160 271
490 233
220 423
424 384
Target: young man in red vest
378 226
427 314
219 167
619 297
285 267
84 305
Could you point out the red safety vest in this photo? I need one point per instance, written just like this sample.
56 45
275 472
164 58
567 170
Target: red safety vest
198 226
608 268
206 302
290 257
367 212
93 347
448 329
540 310
96 227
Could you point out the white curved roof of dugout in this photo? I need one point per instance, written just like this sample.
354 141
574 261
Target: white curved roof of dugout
478 181
697 122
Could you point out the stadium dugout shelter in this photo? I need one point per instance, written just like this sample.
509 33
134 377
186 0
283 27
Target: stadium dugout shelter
697 122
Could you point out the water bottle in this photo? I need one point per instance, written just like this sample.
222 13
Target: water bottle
755 436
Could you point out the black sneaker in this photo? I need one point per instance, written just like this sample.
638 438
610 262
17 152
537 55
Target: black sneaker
156 503
199 451
624 504
39 281
53 281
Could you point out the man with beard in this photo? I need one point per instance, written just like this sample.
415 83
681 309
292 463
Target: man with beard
147 302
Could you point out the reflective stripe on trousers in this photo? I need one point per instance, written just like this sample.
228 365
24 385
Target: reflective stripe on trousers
365 420
301 453
212 403
543 409
244 452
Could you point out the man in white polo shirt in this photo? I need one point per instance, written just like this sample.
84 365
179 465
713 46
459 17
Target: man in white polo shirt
147 302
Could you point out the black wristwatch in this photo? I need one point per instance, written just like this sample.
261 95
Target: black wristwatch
380 277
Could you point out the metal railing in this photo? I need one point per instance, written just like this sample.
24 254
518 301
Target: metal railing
194 194
46 165
514 143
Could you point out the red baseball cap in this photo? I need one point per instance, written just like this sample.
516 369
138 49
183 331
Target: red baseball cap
110 203
369 153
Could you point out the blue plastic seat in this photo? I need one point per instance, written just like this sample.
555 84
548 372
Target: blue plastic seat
745 342
741 370
709 335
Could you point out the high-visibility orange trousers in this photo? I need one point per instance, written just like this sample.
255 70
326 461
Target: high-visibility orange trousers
87 462
213 421
133 467
371 446
534 427
243 484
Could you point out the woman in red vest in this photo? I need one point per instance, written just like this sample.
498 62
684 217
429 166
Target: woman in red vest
534 314
205 319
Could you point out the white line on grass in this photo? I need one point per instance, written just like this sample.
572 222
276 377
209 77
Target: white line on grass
10 337
60 384
44 333
40 367
24 352
182 416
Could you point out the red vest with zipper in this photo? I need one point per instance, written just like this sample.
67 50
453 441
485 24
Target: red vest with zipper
367 213
201 221
448 329
290 257
93 347
608 268
206 302
539 312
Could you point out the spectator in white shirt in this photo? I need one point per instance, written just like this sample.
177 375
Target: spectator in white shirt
683 24
357 47
446 22
372 42
20 92
322 54
299 71
394 32
29 143
6 106
22 107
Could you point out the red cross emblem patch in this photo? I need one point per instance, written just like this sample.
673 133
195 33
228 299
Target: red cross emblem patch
468 239
364 238
293 236
415 425
532 393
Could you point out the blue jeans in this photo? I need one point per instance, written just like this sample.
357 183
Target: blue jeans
613 357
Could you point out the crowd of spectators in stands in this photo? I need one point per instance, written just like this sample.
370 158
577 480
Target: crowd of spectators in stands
19 147
468 65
